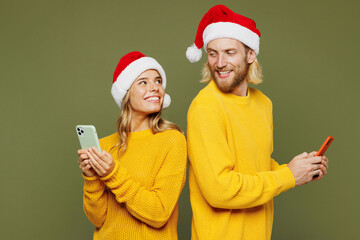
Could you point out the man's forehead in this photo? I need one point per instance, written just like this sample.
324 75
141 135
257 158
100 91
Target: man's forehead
224 44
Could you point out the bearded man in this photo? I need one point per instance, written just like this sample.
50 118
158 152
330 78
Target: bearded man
232 177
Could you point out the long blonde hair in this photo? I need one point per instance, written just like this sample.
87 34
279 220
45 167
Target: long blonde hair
157 124
254 74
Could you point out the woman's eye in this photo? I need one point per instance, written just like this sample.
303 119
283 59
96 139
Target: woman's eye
158 81
142 82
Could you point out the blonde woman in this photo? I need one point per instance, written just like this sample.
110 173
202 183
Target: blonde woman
132 186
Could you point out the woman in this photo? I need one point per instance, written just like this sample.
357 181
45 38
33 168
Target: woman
132 186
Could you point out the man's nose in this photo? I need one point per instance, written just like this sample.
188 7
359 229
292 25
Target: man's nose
221 61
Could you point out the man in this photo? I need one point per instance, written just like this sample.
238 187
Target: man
232 177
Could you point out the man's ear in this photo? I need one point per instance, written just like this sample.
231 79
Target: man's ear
251 56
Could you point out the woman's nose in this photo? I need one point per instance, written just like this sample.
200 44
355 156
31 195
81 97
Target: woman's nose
153 87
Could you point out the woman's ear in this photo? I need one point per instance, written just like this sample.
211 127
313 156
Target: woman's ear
251 56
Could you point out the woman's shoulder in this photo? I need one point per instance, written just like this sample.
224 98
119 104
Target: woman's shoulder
109 141
171 136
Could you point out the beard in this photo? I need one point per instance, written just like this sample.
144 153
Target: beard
227 85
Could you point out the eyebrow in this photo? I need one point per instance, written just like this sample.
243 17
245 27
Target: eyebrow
146 78
225 50
143 78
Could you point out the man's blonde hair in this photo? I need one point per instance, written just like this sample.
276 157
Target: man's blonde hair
254 74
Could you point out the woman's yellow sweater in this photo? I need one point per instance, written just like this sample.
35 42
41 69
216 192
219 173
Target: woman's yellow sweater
232 177
139 198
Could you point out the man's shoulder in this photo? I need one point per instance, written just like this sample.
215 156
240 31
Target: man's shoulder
206 97
259 95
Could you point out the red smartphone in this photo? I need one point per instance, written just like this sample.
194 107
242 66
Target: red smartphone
325 146
323 149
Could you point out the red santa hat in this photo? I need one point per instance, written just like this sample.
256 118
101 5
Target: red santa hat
221 22
128 69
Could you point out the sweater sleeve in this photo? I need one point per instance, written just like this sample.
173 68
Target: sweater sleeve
275 166
213 166
95 200
154 205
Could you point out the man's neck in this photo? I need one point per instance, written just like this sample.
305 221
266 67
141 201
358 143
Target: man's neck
241 89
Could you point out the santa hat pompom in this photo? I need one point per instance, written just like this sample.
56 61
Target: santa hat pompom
193 53
167 101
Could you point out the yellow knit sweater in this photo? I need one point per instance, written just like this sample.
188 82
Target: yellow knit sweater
232 177
139 198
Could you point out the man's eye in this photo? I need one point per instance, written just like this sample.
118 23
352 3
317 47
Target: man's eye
212 54
230 53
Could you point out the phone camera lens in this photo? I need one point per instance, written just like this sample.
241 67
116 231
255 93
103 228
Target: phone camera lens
78 129
82 131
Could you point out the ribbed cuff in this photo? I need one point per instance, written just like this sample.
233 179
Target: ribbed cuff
92 184
286 178
89 178
112 172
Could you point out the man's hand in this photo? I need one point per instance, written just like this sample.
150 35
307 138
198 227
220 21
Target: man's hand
305 166
324 166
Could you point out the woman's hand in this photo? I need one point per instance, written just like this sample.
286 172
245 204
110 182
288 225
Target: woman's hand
84 163
102 162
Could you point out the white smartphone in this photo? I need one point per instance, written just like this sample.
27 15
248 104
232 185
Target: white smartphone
87 136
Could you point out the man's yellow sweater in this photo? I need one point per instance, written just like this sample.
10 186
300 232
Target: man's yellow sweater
232 177
139 198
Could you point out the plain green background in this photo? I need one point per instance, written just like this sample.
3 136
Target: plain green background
56 64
